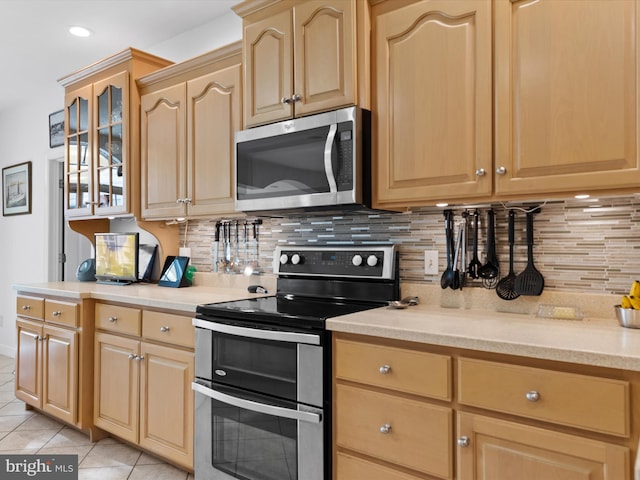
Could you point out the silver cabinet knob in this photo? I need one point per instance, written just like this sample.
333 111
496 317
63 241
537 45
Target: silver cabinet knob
113 319
285 100
463 441
481 172
57 313
532 396
26 307
187 201
132 356
139 358
385 369
296 98
501 170
385 429
164 329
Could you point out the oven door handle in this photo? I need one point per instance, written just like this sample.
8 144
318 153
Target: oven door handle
278 336
256 406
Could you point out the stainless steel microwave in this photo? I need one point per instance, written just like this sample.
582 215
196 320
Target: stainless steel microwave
321 162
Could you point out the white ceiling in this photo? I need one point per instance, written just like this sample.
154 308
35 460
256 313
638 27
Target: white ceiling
36 48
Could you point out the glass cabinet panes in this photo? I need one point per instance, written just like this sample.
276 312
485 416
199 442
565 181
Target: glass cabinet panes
78 153
109 154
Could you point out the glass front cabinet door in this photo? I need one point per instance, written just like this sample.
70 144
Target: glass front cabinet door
78 157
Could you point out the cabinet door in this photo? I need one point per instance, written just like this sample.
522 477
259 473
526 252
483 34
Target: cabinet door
214 115
60 373
116 385
164 153
432 95
324 55
29 362
566 95
166 402
500 450
78 153
268 57
111 168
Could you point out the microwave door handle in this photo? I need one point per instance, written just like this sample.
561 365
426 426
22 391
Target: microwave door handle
256 406
328 167
278 336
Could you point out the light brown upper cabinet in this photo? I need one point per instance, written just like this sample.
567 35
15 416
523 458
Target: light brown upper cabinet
302 57
102 164
432 100
190 112
566 100
562 115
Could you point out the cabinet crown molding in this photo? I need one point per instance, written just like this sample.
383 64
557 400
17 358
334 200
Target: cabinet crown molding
108 62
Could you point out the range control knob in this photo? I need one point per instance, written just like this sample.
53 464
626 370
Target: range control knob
284 258
372 260
296 259
357 260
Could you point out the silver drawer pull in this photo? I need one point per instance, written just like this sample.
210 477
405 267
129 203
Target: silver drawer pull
463 441
113 319
164 329
532 396
57 313
385 369
26 307
386 428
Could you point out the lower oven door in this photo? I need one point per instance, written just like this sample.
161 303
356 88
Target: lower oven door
242 435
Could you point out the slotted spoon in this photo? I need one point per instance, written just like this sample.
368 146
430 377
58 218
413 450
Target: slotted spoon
505 288
530 281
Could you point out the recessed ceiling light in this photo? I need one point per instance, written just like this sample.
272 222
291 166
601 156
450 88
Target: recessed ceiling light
79 31
582 197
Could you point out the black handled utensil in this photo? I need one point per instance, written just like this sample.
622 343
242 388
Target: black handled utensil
474 264
448 275
505 288
530 281
491 268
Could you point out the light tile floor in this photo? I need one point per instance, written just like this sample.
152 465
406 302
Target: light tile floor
28 432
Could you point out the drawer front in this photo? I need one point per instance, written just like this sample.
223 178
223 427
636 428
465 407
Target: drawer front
27 306
409 433
352 468
581 401
118 319
410 371
64 313
164 327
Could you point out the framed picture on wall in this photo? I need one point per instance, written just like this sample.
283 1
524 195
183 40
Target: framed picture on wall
56 129
16 189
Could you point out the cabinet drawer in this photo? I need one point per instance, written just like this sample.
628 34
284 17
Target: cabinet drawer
164 327
30 306
410 371
582 401
118 319
418 435
65 313
351 468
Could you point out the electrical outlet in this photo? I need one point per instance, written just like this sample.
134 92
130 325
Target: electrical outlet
430 262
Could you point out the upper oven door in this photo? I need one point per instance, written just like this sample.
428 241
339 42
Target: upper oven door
287 365
308 162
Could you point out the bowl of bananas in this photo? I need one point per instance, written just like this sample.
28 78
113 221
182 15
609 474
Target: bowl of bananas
628 312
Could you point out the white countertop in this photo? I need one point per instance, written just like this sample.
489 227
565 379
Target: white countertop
146 295
598 342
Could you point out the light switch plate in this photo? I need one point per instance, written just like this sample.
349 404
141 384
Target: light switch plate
430 262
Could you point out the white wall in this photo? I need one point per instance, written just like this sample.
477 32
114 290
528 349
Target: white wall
24 137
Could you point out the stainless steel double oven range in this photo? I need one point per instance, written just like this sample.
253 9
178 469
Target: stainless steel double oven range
263 365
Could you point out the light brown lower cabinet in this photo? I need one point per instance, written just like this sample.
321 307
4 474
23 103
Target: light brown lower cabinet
142 390
492 449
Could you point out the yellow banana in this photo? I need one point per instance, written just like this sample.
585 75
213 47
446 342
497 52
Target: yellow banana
635 302
626 302
635 289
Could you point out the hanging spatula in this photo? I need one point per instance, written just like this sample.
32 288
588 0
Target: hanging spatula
530 281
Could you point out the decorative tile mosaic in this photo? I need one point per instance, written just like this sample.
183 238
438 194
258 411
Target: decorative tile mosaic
579 245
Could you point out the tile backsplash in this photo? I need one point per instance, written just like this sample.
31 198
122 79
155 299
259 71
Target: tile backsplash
590 246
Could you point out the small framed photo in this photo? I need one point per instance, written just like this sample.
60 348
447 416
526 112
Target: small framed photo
16 189
56 129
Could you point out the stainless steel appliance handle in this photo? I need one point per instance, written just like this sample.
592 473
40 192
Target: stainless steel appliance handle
278 336
256 406
328 167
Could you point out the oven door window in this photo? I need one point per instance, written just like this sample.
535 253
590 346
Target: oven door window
265 366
